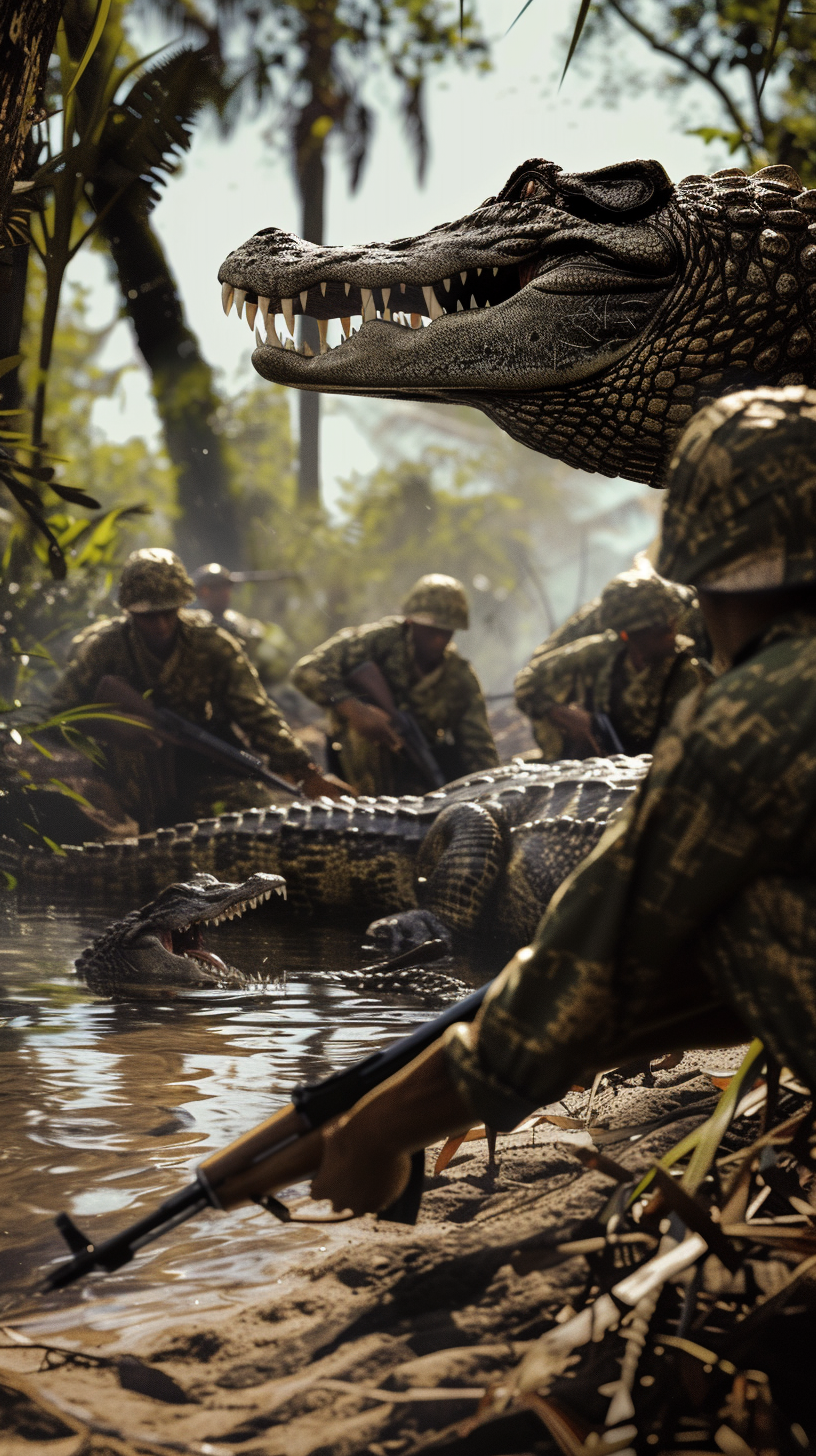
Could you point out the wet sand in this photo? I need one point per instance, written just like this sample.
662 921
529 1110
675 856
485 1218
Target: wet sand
369 1338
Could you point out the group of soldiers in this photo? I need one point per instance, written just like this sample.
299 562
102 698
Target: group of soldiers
607 681
693 921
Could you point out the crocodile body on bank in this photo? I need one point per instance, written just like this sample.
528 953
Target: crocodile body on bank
589 315
481 857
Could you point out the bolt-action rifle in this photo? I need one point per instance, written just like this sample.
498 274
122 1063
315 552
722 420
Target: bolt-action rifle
171 728
368 679
278 1152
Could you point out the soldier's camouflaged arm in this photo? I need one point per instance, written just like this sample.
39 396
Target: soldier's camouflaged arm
246 703
619 964
87 663
321 675
472 733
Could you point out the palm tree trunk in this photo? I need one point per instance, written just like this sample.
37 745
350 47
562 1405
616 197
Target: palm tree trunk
28 30
312 188
182 386
13 274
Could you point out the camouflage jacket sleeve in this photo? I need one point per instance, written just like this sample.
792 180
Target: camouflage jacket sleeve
321 674
651 940
242 700
93 653
472 733
560 674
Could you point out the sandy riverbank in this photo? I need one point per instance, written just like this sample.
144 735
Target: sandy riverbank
409 1313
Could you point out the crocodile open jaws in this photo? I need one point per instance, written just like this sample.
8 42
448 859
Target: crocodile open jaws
587 314
161 944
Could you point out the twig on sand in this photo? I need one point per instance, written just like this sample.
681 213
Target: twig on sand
133 1443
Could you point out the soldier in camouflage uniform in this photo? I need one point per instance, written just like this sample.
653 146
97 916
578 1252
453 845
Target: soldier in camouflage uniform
635 674
593 617
199 671
265 643
426 676
693 921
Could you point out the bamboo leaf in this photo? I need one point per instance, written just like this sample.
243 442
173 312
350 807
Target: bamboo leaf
779 21
75 494
102 13
576 35
525 6
6 365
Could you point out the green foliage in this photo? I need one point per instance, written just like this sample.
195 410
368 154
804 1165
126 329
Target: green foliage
474 505
724 48
37 616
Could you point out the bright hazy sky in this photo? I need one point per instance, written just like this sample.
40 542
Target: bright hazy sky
481 128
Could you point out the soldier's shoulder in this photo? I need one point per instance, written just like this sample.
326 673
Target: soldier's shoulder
208 641
103 631
758 721
584 650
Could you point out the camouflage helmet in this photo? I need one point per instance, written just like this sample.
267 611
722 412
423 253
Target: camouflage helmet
212 572
437 601
740 513
154 580
636 600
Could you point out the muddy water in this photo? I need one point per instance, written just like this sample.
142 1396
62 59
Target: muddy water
107 1106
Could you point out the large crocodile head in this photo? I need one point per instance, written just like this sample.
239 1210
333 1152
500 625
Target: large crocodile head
589 314
161 944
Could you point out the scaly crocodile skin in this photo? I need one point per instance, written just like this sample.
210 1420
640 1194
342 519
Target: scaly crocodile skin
481 856
619 304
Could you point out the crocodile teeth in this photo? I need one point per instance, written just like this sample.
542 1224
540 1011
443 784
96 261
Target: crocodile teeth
323 289
227 297
289 314
369 311
473 302
347 287
240 296
323 329
459 308
346 325
463 276
251 310
386 294
303 297
446 282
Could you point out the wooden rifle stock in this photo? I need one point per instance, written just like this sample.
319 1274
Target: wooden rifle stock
370 681
278 1152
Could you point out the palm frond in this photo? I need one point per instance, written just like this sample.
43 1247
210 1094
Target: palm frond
145 134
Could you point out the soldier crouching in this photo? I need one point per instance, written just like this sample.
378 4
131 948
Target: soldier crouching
200 672
425 676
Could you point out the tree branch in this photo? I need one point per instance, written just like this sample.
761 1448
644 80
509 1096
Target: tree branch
706 75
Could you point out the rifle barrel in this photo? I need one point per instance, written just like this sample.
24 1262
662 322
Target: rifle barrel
275 1153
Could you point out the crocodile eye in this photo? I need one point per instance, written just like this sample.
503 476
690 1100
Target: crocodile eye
529 189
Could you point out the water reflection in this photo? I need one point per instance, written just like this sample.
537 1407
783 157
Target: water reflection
108 1105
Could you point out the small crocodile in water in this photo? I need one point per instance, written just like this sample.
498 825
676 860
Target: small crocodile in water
588 314
481 857
162 945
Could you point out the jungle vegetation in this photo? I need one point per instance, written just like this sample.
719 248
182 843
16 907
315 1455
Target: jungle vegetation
90 177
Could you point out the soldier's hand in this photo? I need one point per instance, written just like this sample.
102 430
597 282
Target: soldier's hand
366 1157
576 725
370 722
316 785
